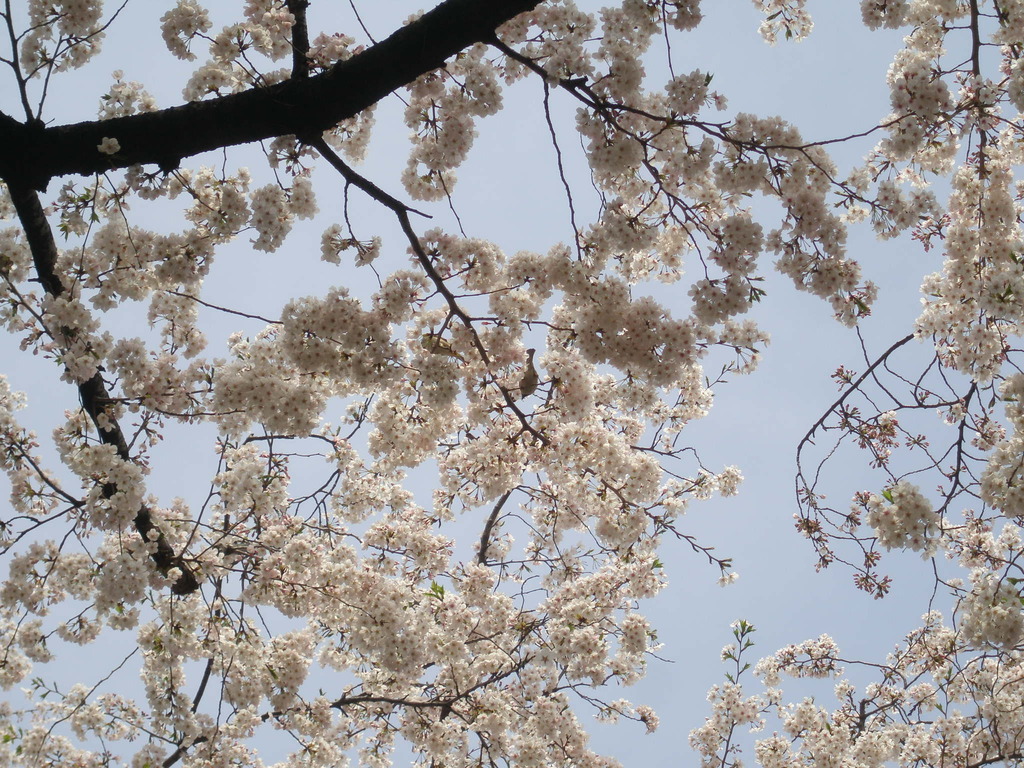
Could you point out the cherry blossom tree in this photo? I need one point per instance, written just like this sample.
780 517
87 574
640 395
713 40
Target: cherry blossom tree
950 693
437 505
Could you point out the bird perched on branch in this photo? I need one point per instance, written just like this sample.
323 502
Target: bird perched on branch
530 379
435 345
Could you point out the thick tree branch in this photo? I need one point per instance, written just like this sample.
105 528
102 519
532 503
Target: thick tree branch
33 154
300 39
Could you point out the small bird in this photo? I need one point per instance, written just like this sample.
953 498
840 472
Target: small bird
435 345
530 379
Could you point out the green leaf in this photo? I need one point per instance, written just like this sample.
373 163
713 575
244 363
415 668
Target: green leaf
436 590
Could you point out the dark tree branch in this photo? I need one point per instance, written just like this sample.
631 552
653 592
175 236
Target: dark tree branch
300 39
485 537
854 387
93 393
33 154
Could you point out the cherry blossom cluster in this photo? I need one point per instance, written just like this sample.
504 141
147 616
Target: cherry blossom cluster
785 16
125 98
180 25
441 111
1002 479
937 700
903 517
61 35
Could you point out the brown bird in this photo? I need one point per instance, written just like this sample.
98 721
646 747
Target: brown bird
528 383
